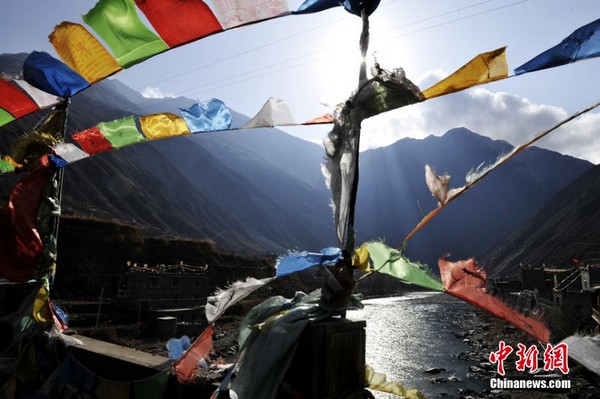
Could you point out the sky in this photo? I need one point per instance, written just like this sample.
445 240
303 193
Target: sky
311 62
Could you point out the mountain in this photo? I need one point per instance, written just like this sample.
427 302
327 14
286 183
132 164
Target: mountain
393 195
261 190
564 229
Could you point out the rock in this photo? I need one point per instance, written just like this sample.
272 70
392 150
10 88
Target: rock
434 370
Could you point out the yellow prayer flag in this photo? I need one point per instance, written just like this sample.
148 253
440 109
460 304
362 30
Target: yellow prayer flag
83 52
158 126
361 258
485 68
40 307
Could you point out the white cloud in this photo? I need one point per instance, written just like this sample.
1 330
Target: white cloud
498 115
155 92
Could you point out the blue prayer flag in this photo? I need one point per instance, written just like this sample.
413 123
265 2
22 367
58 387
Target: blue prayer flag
207 116
312 6
581 44
300 261
48 74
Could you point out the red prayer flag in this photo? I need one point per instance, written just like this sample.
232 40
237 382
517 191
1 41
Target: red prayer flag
464 280
178 22
20 243
92 141
15 101
200 349
327 118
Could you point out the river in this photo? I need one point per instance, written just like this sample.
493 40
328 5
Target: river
409 334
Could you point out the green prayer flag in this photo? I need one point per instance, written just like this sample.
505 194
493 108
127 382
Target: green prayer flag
5 166
118 24
5 117
121 132
392 262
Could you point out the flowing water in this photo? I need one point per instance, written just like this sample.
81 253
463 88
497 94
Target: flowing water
409 334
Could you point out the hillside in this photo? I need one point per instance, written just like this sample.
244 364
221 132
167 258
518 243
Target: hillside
566 228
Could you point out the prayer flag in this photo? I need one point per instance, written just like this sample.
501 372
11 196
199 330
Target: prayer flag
92 141
20 243
121 132
154 387
5 117
83 52
207 116
5 166
222 300
69 152
111 389
48 74
200 350
297 261
178 22
327 118
392 262
275 112
41 98
378 382
158 126
312 6
232 13
579 45
464 280
484 68
118 24
14 100
360 260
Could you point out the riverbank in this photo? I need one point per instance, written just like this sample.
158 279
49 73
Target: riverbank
483 334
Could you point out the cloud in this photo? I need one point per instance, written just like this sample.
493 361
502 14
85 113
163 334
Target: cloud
155 92
498 115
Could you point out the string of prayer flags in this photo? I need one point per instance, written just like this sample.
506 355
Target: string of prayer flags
465 280
232 13
178 22
69 152
48 74
118 24
274 112
121 132
207 116
582 44
83 52
92 141
439 185
199 351
163 125
484 68
223 299
392 262
15 101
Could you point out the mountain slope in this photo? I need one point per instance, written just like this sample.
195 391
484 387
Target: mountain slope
565 228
